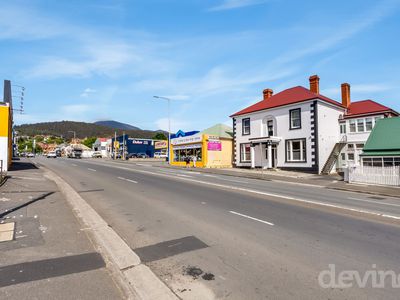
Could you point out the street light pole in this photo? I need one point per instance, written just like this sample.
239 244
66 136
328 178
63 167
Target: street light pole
169 126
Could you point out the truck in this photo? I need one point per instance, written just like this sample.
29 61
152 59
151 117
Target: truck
73 152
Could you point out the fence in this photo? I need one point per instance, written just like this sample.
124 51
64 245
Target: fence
375 175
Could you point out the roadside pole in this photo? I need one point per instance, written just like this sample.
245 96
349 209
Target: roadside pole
114 144
123 145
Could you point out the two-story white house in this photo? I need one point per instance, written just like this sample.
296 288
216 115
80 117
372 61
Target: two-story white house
297 128
357 124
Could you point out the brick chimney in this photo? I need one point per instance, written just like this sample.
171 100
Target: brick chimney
346 95
314 84
267 93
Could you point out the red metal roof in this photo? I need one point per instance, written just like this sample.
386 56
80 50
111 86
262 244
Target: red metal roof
289 96
365 107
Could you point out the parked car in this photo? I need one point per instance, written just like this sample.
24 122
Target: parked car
30 154
160 155
97 154
142 155
131 155
52 154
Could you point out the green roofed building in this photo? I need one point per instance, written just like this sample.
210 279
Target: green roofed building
383 145
220 130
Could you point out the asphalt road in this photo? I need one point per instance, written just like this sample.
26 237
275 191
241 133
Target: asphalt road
252 239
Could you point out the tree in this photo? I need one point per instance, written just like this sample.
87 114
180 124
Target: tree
88 142
160 136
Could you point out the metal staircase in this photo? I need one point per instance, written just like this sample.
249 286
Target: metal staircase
334 155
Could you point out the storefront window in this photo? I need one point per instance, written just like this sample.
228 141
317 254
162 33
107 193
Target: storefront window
181 154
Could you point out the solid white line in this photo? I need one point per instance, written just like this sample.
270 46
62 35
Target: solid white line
182 175
122 178
208 175
376 202
93 170
74 165
252 218
268 194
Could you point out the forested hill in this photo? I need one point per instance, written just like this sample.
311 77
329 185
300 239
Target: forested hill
82 130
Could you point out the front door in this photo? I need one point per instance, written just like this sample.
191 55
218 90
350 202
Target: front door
273 154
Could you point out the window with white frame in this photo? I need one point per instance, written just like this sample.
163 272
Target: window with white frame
246 126
377 161
350 156
245 155
352 124
360 125
296 150
343 128
295 118
368 124
270 127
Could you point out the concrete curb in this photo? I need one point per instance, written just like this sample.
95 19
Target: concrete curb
136 280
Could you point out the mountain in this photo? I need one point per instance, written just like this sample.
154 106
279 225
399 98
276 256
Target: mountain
116 125
82 130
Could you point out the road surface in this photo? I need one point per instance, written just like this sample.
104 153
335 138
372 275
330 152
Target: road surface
213 236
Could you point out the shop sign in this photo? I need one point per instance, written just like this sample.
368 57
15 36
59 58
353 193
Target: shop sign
187 140
214 146
140 142
191 146
213 138
160 145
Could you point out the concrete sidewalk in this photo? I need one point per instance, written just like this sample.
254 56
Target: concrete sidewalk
50 256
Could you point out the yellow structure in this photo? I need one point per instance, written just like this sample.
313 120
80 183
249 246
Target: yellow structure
209 150
6 145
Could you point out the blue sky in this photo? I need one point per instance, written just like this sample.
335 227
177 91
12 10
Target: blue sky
96 60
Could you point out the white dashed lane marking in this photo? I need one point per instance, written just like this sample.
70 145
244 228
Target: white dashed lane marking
126 179
251 218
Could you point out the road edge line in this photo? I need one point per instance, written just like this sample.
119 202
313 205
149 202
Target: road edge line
135 280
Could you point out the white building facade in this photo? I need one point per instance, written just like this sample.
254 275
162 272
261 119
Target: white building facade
300 129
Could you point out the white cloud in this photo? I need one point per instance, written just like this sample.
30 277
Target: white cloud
361 89
176 124
232 4
343 32
87 92
75 109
